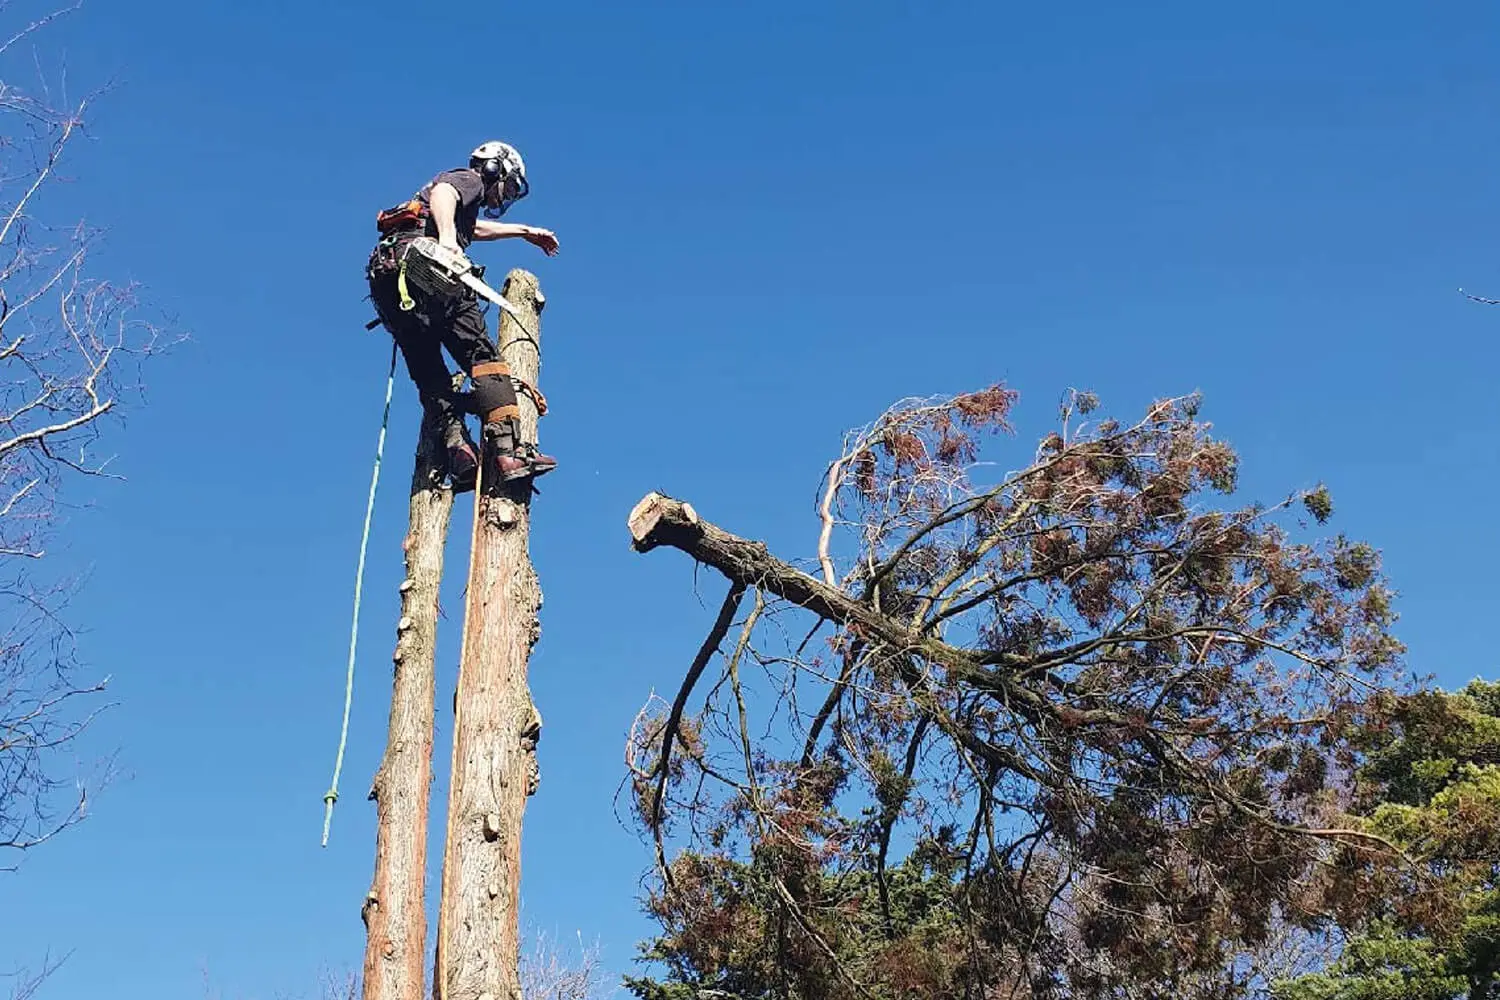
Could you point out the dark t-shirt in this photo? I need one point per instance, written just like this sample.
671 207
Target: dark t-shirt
470 198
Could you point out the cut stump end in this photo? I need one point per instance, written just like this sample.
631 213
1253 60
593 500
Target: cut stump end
644 518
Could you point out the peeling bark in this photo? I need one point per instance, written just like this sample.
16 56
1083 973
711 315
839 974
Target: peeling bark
394 913
496 726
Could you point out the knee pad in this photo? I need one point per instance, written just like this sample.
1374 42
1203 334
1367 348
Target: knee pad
494 398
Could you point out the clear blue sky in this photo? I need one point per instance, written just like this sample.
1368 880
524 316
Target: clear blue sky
775 219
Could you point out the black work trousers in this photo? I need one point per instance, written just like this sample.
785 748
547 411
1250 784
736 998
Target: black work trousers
423 332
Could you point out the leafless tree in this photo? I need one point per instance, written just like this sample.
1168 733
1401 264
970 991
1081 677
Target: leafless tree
332 985
24 984
70 349
548 973
340 986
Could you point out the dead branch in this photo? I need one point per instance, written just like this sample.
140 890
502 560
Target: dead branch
663 767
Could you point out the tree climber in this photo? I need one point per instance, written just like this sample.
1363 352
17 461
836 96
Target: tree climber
447 208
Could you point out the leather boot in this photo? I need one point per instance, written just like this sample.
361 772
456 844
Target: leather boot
462 456
515 459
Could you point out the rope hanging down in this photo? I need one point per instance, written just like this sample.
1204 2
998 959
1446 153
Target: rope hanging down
332 795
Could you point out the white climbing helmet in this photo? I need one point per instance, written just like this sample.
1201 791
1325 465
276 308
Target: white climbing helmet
499 163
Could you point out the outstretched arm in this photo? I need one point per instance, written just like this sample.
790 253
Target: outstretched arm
485 229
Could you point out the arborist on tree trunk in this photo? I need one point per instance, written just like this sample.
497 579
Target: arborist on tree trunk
447 208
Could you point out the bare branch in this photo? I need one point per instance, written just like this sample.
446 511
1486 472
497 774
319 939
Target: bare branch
669 731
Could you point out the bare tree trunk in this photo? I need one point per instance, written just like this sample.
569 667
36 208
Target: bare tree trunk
496 725
394 913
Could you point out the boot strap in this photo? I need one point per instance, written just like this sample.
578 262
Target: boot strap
500 413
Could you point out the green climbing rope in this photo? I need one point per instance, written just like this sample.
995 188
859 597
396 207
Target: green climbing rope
332 795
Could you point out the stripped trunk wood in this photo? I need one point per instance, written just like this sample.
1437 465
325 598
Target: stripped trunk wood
496 725
394 913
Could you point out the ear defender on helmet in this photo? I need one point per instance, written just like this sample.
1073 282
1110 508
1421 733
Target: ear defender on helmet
500 164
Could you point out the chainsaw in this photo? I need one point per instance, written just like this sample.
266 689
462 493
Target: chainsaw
439 271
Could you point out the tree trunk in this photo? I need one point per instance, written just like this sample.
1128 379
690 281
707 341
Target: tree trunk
496 725
394 912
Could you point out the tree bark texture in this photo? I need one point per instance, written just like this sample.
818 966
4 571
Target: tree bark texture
394 911
496 725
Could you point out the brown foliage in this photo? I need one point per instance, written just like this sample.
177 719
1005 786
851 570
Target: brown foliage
1119 715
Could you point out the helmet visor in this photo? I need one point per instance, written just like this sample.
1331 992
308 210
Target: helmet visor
503 194
512 190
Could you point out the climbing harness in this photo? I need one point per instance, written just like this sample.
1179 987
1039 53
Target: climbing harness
389 256
332 795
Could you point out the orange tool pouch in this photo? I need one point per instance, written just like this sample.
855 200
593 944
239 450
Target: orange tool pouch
408 215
